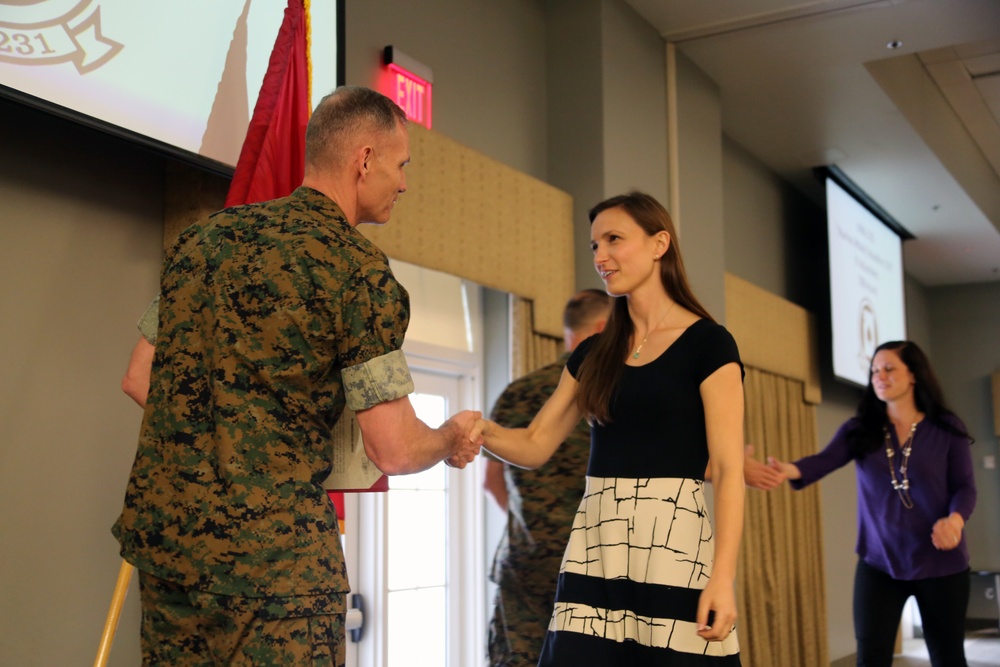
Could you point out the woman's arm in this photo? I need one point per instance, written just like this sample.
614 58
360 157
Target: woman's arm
532 446
756 475
947 531
722 396
788 470
961 478
814 467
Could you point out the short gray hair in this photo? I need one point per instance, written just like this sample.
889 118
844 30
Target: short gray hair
585 308
343 115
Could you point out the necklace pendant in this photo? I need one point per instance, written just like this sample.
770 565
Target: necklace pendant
636 355
901 486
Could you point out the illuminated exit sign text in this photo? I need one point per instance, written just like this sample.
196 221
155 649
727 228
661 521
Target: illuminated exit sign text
411 93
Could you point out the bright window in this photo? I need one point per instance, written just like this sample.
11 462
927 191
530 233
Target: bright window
416 553
417 539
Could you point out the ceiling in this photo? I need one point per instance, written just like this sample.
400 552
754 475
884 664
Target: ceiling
809 83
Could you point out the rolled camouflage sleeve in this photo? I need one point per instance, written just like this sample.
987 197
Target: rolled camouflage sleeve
149 323
382 379
375 314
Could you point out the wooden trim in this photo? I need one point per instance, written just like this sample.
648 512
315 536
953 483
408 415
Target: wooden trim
464 214
773 334
473 217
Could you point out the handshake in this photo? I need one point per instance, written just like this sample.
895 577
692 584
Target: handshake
465 436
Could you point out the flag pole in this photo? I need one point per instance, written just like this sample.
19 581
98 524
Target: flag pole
114 613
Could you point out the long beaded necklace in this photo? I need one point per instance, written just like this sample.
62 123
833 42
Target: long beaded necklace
902 487
635 355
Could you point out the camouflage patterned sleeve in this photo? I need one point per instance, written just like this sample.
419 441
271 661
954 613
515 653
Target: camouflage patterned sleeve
382 379
149 323
517 405
374 315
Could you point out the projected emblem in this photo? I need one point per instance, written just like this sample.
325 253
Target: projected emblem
48 32
869 334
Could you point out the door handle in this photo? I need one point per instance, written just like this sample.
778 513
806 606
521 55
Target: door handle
354 619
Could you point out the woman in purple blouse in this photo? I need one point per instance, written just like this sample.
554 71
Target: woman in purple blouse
915 493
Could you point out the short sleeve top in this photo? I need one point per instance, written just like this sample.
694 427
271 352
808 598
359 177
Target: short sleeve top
657 425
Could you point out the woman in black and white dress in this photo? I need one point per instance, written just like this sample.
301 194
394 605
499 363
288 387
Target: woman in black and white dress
646 579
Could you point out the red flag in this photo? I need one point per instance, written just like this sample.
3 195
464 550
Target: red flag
272 160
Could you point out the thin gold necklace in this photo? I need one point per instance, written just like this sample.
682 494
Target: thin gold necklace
635 355
902 487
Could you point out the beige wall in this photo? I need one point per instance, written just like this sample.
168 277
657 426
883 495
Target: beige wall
80 246
522 82
965 328
918 315
633 104
79 257
606 110
766 224
488 60
774 240
755 219
698 212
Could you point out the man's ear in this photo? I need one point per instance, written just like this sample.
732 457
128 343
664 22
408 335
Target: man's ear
365 156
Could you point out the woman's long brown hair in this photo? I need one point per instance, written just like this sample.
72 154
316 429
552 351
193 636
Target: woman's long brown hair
601 370
868 436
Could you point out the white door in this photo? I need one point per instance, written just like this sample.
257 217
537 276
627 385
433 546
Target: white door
415 553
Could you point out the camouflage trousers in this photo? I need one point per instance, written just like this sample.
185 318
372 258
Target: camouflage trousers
185 627
517 630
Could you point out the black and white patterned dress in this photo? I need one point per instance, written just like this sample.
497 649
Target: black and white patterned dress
641 548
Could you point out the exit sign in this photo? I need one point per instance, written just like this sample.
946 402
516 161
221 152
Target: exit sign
408 83
412 94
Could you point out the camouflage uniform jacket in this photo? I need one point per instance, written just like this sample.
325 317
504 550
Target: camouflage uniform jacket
541 503
272 317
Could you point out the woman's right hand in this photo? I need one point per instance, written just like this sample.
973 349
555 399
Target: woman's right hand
788 470
478 431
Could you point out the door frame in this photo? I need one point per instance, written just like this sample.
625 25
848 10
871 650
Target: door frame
466 600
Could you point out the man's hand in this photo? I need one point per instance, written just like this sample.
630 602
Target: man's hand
759 475
465 440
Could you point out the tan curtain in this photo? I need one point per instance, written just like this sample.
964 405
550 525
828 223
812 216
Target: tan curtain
529 350
780 583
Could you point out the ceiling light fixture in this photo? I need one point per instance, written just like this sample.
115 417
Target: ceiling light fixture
894 44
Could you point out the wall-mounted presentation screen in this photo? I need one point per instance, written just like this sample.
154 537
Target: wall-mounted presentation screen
866 284
184 73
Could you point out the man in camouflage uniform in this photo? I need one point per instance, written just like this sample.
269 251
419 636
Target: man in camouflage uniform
272 318
540 503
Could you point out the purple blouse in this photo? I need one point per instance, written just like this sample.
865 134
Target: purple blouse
892 538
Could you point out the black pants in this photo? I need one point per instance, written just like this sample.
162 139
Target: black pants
878 605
